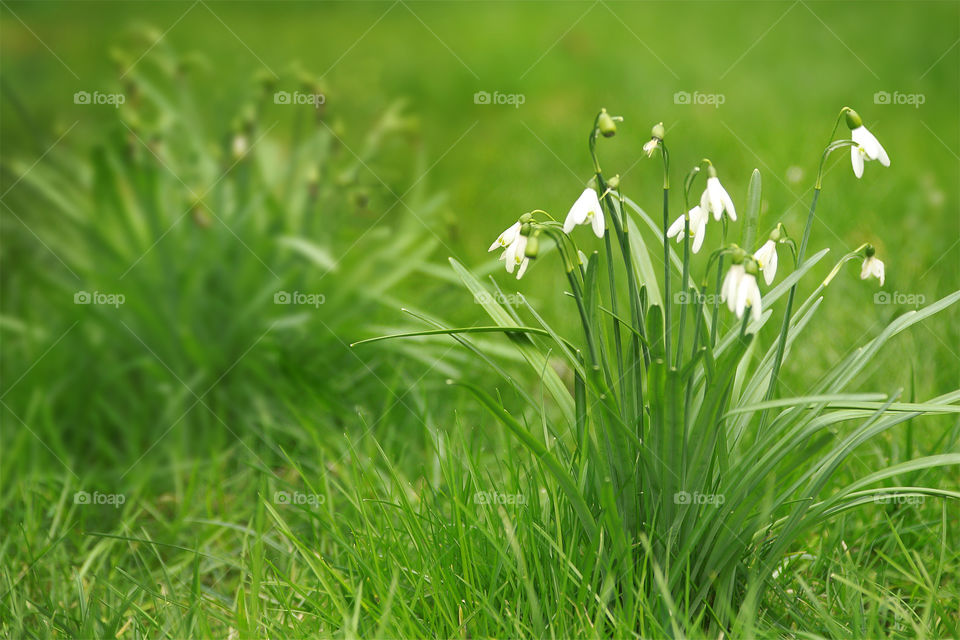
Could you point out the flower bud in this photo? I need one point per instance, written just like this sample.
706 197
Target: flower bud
606 124
533 246
658 131
853 119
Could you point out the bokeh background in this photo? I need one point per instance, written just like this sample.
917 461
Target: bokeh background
781 71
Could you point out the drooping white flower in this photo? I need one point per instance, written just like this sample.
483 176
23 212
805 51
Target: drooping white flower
715 198
867 146
586 209
731 284
872 266
656 137
766 257
514 255
748 295
698 227
507 237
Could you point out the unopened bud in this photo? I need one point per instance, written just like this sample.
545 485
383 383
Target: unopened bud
658 131
853 119
533 246
606 124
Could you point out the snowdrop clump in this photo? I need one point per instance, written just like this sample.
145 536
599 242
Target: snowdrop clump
668 397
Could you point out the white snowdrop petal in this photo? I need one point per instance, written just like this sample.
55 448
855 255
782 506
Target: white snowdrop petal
856 159
698 237
676 228
523 268
770 270
598 224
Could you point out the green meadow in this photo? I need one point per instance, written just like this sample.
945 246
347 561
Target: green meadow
207 207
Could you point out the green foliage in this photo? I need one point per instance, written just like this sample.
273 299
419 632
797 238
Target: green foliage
688 486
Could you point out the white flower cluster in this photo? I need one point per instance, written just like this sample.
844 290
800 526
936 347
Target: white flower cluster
740 289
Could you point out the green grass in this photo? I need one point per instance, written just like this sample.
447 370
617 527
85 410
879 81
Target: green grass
392 540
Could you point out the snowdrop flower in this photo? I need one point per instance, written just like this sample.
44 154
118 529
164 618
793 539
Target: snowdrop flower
507 237
656 137
586 209
698 227
715 198
515 253
748 293
872 266
740 289
766 257
731 282
867 147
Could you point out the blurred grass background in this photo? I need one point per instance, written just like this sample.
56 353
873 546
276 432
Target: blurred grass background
783 68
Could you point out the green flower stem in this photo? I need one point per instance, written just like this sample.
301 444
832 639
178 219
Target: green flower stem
559 237
666 248
716 295
636 310
618 345
683 288
801 252
785 325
